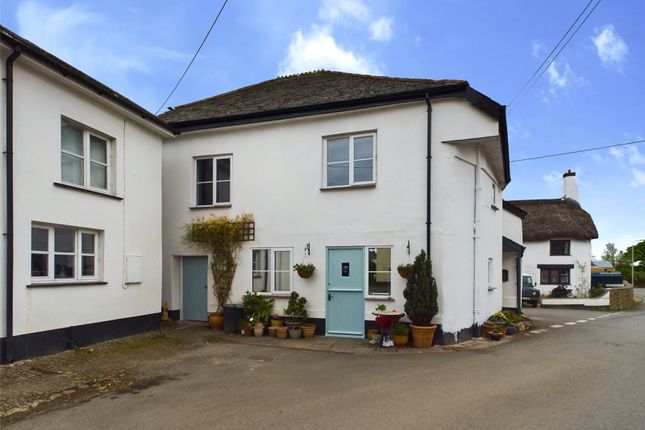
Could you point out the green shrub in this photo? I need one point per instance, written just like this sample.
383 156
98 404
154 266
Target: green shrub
256 307
296 306
421 292
598 291
401 329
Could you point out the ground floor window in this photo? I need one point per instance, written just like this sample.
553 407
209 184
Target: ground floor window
555 276
379 271
271 270
63 253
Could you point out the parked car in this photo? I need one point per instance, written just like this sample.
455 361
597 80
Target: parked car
530 294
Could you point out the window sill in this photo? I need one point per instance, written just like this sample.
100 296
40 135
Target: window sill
379 298
222 205
86 190
349 187
284 295
66 284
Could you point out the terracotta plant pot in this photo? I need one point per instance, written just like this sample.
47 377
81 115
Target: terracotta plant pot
422 335
273 331
258 330
404 272
281 332
371 332
216 320
295 333
401 341
276 323
308 330
248 331
305 275
490 327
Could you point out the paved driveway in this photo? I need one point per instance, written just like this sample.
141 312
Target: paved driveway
584 376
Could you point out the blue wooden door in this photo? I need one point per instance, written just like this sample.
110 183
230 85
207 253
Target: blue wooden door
195 288
345 298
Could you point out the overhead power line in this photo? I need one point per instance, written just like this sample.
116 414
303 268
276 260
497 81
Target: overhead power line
194 56
539 157
546 63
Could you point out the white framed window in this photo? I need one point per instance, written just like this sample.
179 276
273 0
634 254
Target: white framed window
349 160
379 271
271 270
213 180
85 156
64 253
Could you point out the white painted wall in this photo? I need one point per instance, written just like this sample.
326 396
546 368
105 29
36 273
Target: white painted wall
512 230
537 252
277 175
129 226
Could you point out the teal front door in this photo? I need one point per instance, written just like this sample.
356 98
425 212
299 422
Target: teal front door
195 288
345 298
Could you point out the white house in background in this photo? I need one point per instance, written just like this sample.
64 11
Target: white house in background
557 236
361 171
81 207
513 251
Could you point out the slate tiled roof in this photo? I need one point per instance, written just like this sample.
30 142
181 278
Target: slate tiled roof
555 219
299 91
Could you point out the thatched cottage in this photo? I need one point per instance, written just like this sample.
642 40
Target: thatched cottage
557 234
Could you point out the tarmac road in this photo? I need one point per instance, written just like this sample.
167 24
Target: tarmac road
584 376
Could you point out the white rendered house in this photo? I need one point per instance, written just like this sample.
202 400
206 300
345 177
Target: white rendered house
557 235
513 251
81 207
355 174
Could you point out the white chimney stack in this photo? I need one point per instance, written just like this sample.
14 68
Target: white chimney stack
570 185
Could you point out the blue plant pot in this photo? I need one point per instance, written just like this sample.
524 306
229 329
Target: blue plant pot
510 330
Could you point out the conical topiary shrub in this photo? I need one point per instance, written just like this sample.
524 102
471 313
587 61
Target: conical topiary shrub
421 300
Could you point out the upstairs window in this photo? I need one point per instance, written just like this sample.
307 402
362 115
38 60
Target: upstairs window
213 181
63 253
350 160
85 157
560 247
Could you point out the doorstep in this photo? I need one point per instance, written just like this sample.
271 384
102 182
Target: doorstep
341 345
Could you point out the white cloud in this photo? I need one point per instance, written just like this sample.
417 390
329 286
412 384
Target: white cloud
382 29
561 78
627 155
338 10
319 50
638 178
553 179
610 47
537 49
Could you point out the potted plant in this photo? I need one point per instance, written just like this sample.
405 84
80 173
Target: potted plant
272 331
421 301
221 238
257 307
401 334
295 311
304 270
246 327
258 329
404 270
276 320
496 335
308 330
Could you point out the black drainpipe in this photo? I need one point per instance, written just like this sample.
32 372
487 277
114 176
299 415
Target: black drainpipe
7 353
429 177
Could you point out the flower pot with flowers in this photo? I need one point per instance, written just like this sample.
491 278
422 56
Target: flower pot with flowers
304 270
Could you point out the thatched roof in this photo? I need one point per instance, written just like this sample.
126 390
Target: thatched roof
555 219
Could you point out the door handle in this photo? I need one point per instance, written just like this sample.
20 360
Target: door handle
328 296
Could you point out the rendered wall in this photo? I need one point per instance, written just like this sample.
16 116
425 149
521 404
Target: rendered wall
537 252
277 176
512 230
128 226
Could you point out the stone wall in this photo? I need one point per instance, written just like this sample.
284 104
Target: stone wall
621 299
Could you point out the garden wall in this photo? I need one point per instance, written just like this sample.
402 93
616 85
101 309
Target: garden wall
621 299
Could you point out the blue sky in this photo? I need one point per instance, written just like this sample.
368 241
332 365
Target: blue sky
592 95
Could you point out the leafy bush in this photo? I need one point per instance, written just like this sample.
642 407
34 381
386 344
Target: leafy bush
304 269
560 292
499 318
256 307
421 292
401 329
296 306
596 292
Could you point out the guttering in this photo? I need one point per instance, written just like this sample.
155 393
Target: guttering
7 355
429 177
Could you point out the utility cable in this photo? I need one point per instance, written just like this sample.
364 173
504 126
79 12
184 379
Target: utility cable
539 157
194 56
544 69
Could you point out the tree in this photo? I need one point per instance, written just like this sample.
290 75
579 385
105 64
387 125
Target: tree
611 254
421 292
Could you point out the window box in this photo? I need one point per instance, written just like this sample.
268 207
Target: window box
349 160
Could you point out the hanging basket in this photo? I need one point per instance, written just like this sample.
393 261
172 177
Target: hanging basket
404 270
304 270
